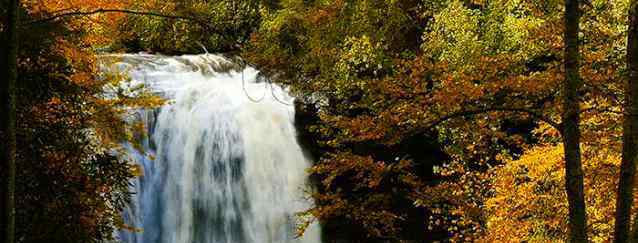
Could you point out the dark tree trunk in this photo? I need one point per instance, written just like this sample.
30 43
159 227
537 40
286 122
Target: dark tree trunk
624 196
3 113
570 131
11 63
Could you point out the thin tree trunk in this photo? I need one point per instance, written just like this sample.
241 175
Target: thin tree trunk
11 61
570 131
3 95
624 196
632 63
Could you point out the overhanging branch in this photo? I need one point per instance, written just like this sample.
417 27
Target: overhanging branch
466 113
125 11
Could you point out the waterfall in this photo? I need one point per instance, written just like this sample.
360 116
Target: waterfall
221 163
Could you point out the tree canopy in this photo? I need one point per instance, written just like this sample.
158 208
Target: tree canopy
428 121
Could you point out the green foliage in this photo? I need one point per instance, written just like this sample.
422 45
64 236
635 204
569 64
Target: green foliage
219 26
460 36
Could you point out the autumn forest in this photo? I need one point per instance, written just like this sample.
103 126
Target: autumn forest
318 121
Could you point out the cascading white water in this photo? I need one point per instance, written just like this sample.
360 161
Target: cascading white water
218 166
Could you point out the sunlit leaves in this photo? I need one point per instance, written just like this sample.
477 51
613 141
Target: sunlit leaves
529 203
360 57
455 35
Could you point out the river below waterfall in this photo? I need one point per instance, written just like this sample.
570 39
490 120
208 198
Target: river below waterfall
221 162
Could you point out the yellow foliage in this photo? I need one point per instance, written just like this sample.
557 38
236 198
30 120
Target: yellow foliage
530 203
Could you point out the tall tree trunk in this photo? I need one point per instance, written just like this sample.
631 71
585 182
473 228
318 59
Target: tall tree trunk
3 95
570 131
11 61
624 196
3 120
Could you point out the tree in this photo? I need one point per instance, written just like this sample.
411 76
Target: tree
570 131
483 69
529 202
10 59
451 79
219 26
70 187
625 197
